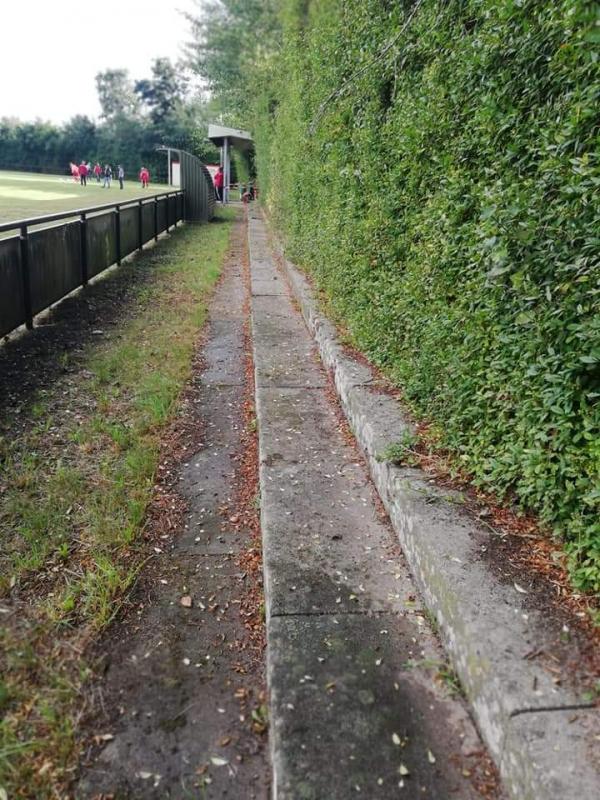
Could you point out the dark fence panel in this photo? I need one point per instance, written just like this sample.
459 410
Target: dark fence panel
172 211
162 215
12 309
53 261
147 221
129 230
102 242
54 264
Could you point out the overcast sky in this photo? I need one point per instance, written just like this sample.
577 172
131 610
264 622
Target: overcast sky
52 49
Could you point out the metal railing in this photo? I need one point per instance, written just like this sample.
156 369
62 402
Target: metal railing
39 267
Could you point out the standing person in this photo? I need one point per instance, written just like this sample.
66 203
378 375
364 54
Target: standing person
144 177
74 171
120 175
107 176
218 181
83 171
97 172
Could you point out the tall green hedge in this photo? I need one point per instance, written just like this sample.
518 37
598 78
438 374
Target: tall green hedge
435 165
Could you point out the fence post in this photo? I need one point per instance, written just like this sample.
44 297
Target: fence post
140 237
118 233
155 218
84 248
24 248
167 210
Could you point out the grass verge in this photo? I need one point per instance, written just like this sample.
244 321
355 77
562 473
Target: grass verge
74 488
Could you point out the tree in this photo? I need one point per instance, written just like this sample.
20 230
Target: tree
116 94
165 92
78 139
230 38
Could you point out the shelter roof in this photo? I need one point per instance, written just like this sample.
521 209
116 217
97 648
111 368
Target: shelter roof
238 138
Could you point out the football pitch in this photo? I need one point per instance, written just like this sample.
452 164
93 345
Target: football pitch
26 194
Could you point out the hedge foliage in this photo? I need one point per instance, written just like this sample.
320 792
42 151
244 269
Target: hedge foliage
435 165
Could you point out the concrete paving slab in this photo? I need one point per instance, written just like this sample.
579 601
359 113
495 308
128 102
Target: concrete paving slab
224 341
223 364
334 555
222 428
269 305
350 718
331 556
286 417
558 762
205 481
271 285
282 329
286 355
263 267
281 363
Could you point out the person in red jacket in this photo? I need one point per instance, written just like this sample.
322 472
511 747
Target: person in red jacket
144 177
97 172
218 181
83 171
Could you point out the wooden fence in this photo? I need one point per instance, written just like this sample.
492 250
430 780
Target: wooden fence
39 267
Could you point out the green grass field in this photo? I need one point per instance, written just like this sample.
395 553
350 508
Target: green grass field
25 194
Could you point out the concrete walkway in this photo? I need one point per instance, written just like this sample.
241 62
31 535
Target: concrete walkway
362 701
183 676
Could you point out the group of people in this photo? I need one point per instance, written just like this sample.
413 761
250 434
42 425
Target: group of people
104 174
